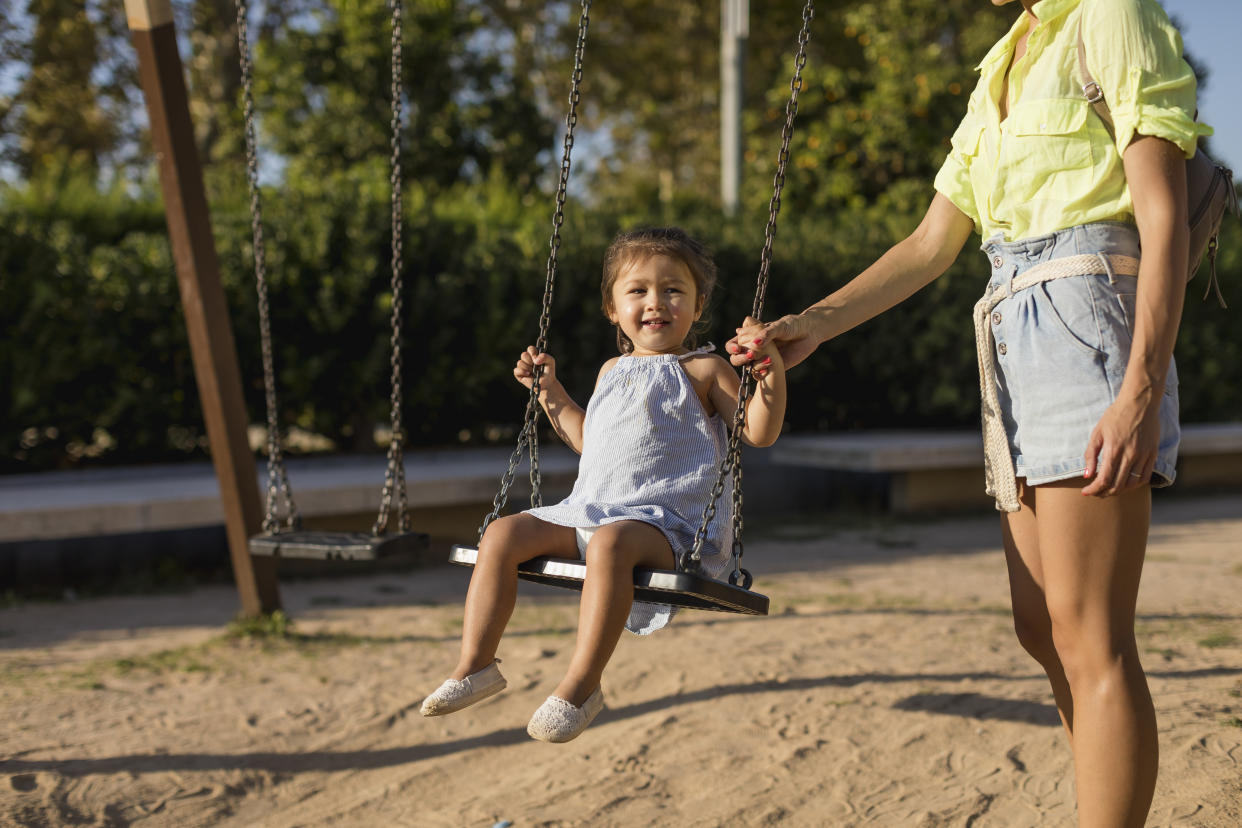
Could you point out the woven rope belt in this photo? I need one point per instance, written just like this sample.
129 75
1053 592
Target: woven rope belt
1002 481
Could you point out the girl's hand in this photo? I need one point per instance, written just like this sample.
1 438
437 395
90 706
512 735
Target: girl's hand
1121 451
524 371
790 335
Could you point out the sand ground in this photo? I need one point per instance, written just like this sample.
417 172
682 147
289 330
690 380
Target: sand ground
885 688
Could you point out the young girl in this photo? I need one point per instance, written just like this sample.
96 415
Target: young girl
651 440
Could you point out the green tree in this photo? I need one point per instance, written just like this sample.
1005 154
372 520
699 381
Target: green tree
73 101
883 91
322 85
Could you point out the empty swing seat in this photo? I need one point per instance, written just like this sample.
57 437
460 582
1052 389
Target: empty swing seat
337 546
657 586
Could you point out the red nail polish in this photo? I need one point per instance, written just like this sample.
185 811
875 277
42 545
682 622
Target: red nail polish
759 341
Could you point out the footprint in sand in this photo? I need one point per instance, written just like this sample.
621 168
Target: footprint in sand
24 782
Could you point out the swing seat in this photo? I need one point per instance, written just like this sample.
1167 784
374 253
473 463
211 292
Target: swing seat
657 586
336 546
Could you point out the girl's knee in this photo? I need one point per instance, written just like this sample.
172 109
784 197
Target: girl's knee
503 537
621 545
606 550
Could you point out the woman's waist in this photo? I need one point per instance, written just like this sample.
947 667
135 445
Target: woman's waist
1008 259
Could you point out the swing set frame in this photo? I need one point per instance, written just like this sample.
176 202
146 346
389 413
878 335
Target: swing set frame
218 375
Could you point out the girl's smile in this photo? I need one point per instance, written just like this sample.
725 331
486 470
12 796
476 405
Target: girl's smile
655 301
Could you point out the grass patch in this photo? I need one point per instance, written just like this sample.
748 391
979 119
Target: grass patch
1233 721
543 619
179 660
275 625
1218 640
1167 653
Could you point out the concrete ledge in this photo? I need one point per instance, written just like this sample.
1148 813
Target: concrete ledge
139 499
944 469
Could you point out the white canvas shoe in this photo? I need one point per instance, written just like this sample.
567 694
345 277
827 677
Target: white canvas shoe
455 694
557 720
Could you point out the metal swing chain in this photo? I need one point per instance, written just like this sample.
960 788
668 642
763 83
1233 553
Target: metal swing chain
528 438
691 560
394 476
277 477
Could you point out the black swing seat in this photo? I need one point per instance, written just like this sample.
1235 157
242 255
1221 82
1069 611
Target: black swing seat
657 586
336 546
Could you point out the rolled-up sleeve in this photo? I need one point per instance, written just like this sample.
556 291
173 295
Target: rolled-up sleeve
953 179
1135 54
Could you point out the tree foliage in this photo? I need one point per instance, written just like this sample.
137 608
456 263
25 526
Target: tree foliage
73 98
94 352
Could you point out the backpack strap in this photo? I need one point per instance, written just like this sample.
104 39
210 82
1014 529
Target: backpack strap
1203 196
1091 90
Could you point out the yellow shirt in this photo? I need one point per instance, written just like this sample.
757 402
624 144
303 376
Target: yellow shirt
1051 164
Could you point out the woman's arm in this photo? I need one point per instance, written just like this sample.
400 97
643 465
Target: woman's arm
1123 446
565 415
907 266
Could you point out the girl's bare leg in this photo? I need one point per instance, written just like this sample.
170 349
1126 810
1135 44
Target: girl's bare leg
615 549
508 541
1030 607
1090 551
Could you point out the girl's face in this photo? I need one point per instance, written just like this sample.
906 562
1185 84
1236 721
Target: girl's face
655 301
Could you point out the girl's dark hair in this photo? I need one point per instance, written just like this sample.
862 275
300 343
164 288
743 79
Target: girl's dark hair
641 244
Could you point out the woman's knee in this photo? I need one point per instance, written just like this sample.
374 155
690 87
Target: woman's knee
1034 632
1087 647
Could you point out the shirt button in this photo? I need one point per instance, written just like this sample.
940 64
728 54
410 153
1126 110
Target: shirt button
1043 127
997 261
996 318
1002 349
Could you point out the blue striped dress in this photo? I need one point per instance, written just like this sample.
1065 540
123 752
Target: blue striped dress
651 453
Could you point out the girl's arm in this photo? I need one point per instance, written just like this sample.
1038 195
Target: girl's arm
565 415
907 266
765 410
1123 446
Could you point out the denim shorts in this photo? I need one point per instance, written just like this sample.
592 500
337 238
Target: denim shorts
1061 349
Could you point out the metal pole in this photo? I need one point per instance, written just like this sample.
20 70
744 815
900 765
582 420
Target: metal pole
202 297
734 31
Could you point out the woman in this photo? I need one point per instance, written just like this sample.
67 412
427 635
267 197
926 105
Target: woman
1075 344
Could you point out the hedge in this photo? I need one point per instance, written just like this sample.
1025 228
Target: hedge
97 367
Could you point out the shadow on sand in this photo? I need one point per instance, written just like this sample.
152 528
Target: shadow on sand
966 705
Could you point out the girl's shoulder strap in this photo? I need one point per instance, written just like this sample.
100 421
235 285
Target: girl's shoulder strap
706 349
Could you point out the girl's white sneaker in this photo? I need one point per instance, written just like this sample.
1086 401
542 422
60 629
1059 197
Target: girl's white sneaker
557 720
454 694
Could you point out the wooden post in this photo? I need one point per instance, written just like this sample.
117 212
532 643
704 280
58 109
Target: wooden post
202 298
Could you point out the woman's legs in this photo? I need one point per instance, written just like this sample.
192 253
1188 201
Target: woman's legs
1030 607
607 594
1087 555
508 541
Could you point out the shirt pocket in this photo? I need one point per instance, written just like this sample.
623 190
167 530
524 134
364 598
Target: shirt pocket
1049 149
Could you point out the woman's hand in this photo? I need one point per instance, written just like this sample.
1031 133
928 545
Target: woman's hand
524 371
790 335
1121 451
